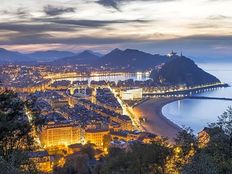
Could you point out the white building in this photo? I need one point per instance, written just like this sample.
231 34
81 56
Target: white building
132 94
172 54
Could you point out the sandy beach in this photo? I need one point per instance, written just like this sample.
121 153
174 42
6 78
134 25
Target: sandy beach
156 122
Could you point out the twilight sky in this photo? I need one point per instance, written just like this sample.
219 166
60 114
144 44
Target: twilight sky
196 27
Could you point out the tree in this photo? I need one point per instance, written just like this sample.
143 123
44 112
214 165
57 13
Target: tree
201 163
75 164
106 141
216 156
182 152
224 122
6 168
186 139
16 137
140 159
220 144
89 150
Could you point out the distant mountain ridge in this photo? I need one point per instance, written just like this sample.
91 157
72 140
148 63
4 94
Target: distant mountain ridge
85 57
128 59
182 71
50 55
7 56
13 57
131 59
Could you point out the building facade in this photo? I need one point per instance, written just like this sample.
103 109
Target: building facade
132 94
96 136
60 134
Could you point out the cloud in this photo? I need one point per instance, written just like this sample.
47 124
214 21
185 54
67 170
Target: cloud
110 3
181 43
49 39
56 11
39 30
33 27
91 23
218 17
116 3
212 22
19 12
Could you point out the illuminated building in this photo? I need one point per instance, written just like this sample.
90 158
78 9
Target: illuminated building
72 102
132 94
60 134
125 135
119 144
94 94
96 136
74 148
172 54
42 160
61 75
115 126
59 103
72 91
207 134
124 121
203 138
148 138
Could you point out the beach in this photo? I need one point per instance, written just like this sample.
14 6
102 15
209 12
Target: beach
155 121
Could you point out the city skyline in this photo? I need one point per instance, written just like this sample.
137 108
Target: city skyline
199 28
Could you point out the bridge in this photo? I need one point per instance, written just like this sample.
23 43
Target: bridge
209 98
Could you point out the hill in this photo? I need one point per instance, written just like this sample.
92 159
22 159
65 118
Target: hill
86 57
182 70
131 60
7 56
51 55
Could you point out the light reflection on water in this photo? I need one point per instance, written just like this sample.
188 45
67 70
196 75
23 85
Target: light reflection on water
114 78
198 113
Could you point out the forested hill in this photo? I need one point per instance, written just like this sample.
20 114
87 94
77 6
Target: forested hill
182 70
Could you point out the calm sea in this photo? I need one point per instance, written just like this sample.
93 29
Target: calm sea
196 113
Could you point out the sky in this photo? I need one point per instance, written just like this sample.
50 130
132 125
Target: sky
197 27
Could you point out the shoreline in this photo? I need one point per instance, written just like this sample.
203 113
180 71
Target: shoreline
156 122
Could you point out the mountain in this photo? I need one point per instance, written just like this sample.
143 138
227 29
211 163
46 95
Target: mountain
182 70
95 53
86 57
7 56
51 55
131 60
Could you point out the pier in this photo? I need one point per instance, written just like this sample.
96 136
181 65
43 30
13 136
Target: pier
188 92
208 98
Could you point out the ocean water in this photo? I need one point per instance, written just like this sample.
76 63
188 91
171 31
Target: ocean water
197 113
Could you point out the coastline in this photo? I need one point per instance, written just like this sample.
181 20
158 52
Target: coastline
156 122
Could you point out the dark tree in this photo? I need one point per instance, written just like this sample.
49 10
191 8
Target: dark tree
140 159
186 139
16 130
89 150
75 164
